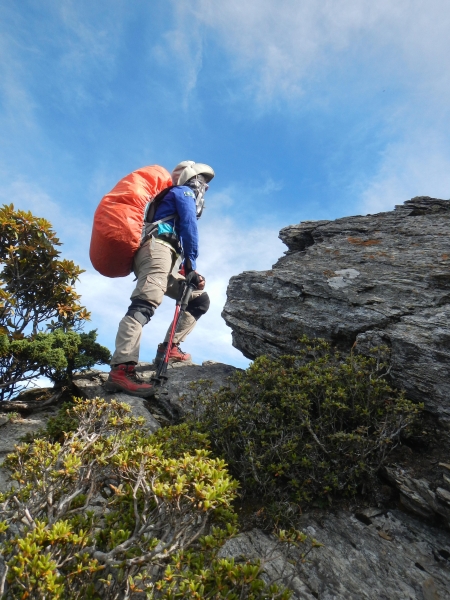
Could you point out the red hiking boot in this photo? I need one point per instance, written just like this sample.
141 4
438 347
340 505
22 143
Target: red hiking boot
123 378
175 355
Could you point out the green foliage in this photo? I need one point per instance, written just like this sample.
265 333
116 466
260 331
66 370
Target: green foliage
179 439
113 513
88 353
35 284
38 572
305 428
12 416
198 575
37 293
64 422
203 574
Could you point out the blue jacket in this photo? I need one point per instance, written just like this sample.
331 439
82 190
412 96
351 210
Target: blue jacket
180 200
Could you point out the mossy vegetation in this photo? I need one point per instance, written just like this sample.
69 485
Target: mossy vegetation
111 512
307 428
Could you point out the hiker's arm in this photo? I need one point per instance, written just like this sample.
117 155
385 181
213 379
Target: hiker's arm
187 225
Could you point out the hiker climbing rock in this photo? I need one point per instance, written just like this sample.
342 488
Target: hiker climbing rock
166 256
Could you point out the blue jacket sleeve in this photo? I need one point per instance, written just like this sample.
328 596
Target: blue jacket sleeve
187 222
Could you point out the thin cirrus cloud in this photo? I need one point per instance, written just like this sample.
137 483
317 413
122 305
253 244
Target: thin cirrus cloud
281 43
288 51
416 167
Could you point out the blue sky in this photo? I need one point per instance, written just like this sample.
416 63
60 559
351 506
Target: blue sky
306 109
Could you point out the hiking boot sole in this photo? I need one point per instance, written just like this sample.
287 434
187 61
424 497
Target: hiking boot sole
110 386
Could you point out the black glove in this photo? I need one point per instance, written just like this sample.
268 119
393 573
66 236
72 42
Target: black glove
194 279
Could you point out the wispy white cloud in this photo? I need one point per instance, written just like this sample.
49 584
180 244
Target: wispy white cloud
289 52
280 44
72 48
181 50
17 103
87 48
227 249
73 231
270 186
417 166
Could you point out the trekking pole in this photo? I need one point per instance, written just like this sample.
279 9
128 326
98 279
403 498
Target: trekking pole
160 376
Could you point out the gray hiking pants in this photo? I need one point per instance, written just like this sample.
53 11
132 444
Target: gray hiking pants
155 268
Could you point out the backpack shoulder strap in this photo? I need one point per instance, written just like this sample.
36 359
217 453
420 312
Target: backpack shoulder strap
154 203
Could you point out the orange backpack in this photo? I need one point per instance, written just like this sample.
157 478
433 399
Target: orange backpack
118 220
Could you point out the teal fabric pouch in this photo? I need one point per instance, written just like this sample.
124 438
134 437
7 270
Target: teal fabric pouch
165 228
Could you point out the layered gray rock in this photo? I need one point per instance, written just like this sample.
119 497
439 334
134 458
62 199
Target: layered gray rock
374 555
418 496
371 279
173 400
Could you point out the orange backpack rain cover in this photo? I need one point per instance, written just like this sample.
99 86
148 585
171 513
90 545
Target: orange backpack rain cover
117 229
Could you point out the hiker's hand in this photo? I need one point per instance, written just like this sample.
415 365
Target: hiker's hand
195 279
201 283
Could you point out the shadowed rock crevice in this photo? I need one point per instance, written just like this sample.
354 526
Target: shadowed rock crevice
359 279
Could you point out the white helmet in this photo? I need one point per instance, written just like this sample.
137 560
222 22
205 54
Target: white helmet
188 169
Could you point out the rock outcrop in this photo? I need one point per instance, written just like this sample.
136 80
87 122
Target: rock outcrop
367 280
371 555
172 401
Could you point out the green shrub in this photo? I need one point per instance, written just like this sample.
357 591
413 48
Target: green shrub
113 513
64 422
305 428
40 313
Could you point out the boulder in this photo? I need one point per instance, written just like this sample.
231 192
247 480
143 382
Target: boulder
367 280
417 495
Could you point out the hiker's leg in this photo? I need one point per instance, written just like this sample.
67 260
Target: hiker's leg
198 305
152 266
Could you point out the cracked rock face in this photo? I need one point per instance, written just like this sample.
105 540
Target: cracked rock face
374 555
371 279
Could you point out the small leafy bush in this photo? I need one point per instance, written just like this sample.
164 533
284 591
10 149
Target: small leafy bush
63 423
40 314
113 513
305 428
